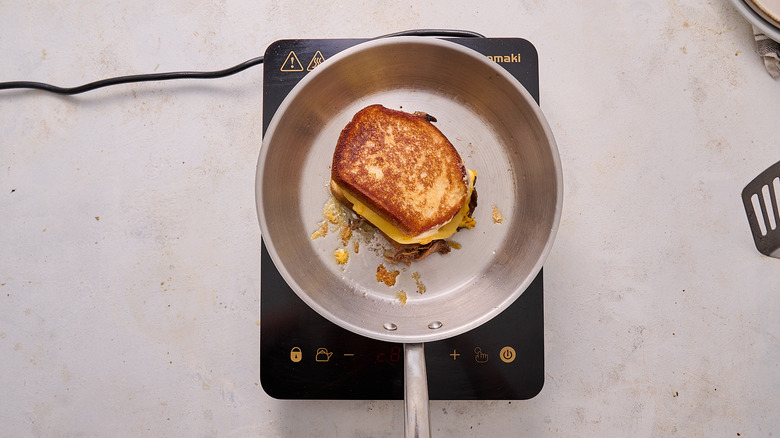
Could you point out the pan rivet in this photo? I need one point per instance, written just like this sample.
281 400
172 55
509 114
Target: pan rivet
389 326
435 325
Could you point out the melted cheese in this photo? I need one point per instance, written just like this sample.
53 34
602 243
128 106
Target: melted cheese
394 233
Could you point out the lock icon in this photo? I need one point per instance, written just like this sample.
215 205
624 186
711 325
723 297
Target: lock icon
296 355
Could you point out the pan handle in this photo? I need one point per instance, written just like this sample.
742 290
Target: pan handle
416 420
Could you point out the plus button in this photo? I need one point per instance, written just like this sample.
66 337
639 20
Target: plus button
454 354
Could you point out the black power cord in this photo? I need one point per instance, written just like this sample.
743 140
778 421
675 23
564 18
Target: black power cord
205 74
132 78
445 33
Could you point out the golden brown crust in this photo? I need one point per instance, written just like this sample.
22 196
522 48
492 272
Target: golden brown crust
338 194
402 167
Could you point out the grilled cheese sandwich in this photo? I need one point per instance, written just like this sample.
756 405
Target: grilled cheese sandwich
391 231
402 175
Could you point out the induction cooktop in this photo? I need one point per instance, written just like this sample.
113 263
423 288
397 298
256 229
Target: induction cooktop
305 356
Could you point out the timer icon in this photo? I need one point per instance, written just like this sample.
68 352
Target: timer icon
507 354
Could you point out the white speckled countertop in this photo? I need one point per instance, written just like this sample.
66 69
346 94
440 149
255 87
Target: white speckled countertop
129 269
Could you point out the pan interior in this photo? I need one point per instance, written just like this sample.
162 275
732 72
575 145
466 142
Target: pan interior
498 130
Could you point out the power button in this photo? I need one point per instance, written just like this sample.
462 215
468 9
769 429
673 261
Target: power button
507 354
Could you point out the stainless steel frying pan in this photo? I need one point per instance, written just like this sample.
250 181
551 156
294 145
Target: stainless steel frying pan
499 131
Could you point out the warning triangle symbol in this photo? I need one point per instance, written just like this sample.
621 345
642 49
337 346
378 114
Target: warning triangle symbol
291 63
315 61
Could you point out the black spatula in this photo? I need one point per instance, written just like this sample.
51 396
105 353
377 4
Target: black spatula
760 198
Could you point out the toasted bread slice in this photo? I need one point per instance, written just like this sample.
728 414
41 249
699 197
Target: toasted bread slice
401 167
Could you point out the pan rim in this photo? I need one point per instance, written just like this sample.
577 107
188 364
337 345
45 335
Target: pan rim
291 280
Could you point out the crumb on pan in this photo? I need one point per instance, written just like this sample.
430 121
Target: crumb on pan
333 212
341 256
402 297
420 286
497 218
322 231
385 276
345 234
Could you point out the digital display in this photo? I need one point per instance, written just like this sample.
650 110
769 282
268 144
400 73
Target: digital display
394 355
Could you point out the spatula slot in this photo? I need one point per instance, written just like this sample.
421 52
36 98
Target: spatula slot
768 207
758 210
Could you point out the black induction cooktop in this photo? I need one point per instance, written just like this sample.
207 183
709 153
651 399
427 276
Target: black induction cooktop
305 356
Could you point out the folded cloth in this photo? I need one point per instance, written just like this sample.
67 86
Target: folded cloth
769 50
